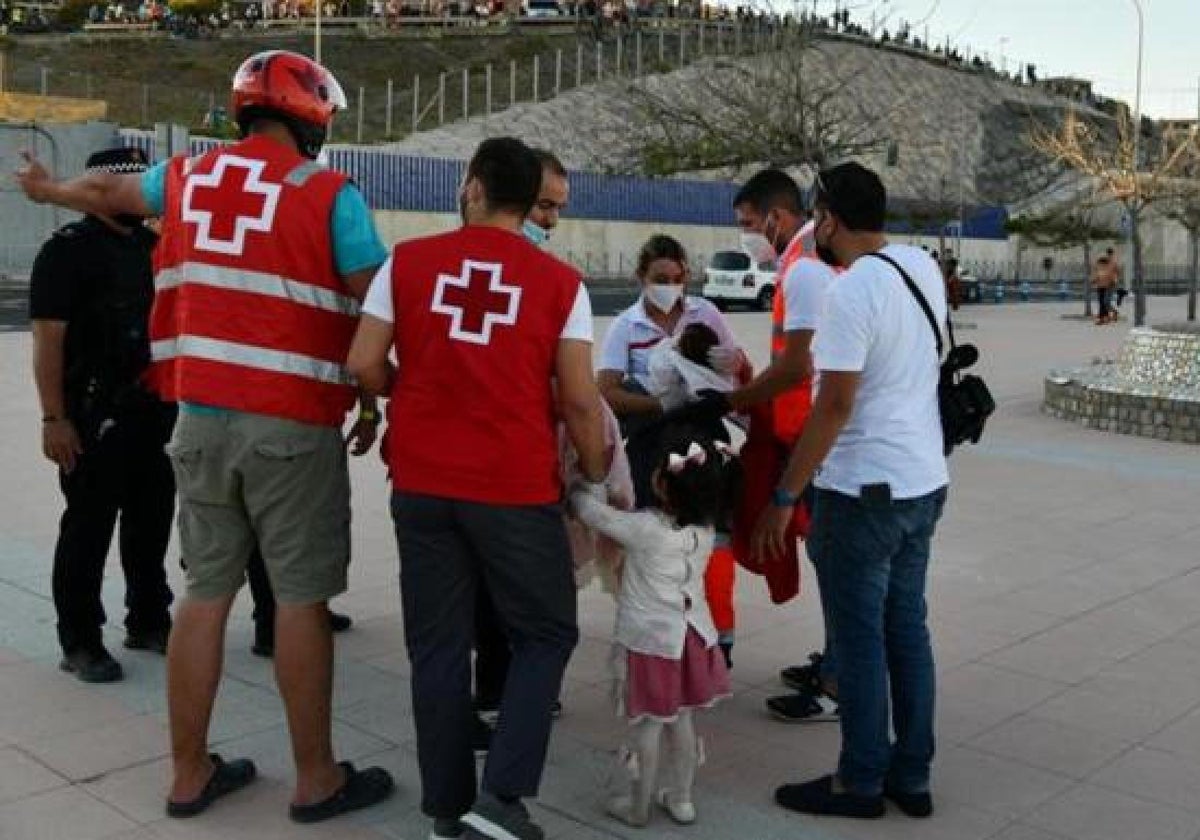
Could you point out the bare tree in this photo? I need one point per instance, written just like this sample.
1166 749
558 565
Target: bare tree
1110 162
1183 206
785 108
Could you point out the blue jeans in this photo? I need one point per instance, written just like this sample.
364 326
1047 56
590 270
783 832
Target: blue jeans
821 534
876 562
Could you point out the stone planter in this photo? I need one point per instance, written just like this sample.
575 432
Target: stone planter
1151 390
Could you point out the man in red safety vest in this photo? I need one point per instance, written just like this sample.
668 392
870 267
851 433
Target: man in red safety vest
264 257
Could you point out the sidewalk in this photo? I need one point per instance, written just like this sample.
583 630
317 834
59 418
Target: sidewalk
1065 601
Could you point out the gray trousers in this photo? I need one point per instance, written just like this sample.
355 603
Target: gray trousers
448 549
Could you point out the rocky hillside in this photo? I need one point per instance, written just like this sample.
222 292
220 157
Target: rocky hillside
945 123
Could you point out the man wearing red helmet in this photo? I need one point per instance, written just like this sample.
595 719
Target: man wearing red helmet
251 326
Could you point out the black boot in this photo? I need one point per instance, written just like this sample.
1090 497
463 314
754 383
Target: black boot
92 664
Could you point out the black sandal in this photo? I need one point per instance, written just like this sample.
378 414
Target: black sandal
226 778
363 788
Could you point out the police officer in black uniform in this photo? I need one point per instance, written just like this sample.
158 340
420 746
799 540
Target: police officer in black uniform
90 295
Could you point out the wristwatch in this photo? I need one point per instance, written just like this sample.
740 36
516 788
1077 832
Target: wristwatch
784 499
371 415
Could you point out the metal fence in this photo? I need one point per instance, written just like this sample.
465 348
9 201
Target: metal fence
401 105
391 181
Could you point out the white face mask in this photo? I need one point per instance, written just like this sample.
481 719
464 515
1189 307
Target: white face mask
758 247
663 297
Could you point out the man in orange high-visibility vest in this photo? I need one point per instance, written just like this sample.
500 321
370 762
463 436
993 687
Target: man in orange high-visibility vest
769 211
263 258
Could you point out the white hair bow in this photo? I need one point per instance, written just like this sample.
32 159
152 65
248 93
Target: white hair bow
695 455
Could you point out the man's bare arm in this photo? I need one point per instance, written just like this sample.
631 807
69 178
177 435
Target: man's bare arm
784 373
96 193
368 360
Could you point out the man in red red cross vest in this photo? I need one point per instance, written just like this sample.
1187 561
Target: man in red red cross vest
483 324
251 324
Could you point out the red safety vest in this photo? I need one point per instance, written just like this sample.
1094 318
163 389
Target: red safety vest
789 410
249 311
479 316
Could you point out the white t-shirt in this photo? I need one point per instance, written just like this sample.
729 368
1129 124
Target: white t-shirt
378 304
872 324
632 336
804 290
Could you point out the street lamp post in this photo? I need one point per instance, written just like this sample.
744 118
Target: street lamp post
1139 291
317 32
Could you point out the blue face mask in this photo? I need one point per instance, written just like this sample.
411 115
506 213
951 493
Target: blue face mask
535 233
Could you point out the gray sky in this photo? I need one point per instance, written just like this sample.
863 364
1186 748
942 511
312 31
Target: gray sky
1093 39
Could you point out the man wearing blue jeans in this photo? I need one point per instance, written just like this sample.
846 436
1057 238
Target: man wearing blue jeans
873 451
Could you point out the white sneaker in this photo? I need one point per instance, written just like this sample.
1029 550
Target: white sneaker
683 813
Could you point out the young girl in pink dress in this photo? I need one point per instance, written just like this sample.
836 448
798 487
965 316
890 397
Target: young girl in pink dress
666 653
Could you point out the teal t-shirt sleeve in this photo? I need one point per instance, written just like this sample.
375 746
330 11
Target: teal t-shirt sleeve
154 187
356 244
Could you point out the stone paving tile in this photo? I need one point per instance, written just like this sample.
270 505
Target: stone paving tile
1181 737
1154 775
1080 649
85 755
1018 831
36 702
989 783
22 776
1050 745
1123 711
951 821
64 814
139 792
1088 812
143 833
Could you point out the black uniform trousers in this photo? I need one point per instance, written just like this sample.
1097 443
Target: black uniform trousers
448 550
492 652
123 472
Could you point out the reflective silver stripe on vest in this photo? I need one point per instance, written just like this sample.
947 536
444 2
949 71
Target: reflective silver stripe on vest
260 358
257 282
298 176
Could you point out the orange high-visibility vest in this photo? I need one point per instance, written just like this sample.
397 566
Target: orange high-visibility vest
789 410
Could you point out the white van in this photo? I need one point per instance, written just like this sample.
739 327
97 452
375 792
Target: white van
731 278
541 9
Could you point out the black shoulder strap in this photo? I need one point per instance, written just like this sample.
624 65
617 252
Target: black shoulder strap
925 307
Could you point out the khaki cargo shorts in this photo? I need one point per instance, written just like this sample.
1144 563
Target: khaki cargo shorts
246 479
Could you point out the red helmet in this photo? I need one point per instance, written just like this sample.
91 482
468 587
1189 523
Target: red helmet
291 88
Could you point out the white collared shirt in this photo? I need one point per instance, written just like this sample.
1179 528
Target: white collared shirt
632 336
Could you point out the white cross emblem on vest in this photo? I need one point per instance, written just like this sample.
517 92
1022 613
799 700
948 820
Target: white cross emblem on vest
476 300
225 211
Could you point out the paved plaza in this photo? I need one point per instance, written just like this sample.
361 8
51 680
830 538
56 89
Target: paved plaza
1065 601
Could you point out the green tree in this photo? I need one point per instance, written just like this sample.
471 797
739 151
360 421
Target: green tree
1066 228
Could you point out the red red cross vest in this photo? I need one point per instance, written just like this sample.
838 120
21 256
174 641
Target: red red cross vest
249 312
478 317
789 410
